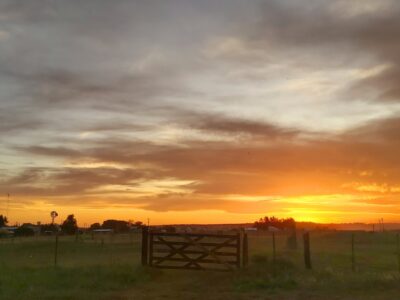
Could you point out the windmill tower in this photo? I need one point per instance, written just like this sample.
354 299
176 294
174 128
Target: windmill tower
53 215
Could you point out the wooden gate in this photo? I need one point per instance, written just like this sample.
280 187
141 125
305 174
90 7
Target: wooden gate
194 251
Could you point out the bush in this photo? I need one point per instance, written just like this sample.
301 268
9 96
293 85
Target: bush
46 228
69 226
24 231
117 225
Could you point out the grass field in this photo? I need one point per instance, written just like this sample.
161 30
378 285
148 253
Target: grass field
91 269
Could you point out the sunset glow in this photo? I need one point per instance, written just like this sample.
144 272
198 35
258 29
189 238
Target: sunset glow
175 113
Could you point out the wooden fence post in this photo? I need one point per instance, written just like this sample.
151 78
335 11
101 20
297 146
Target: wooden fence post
145 243
150 255
238 248
245 250
353 259
56 251
307 253
273 254
398 250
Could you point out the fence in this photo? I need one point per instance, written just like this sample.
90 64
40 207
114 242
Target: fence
194 251
327 250
356 251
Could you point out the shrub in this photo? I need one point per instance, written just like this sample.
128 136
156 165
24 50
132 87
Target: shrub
24 231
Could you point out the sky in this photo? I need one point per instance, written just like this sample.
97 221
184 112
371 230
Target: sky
200 111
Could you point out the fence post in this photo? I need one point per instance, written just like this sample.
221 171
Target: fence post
56 251
150 248
273 254
353 259
398 250
145 243
238 248
245 250
307 253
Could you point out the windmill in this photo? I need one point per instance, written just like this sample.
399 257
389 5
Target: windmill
53 215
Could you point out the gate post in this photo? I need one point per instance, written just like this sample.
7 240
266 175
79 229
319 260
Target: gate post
238 248
353 259
245 250
145 244
307 256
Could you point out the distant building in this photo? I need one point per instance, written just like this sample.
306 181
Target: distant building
35 228
103 231
7 231
250 229
273 229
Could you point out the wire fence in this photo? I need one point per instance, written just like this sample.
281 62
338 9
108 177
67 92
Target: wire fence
342 251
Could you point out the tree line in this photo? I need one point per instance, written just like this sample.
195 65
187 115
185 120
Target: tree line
282 224
69 226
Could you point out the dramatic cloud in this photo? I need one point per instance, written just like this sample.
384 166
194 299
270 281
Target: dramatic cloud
337 33
231 107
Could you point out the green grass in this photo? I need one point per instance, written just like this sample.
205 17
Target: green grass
91 269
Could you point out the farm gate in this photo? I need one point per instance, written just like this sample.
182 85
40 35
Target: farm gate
194 251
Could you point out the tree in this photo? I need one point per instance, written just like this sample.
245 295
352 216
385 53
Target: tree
288 224
24 231
46 228
3 221
283 224
95 226
116 225
69 226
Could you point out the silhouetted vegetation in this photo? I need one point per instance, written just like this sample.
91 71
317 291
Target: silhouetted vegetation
24 230
3 221
48 228
138 223
118 226
69 226
170 229
95 226
287 224
282 224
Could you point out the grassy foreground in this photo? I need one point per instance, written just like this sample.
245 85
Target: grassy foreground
110 269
